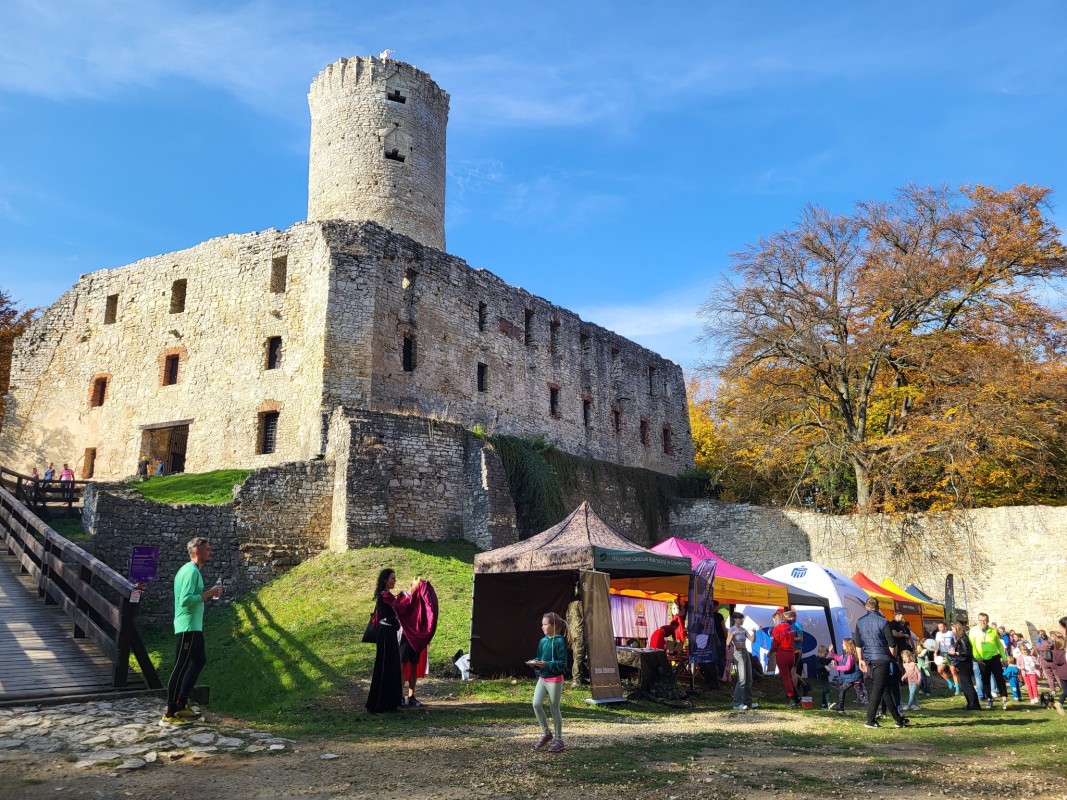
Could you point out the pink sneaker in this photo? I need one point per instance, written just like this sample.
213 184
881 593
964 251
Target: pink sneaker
556 746
546 737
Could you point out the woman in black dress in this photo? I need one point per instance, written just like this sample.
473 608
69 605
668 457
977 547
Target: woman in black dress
385 685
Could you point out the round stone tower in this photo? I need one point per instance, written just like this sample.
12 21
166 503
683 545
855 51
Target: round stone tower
378 147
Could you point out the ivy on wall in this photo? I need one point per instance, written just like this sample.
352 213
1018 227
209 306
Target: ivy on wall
540 476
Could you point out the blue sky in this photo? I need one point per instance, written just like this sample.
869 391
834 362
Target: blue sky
607 156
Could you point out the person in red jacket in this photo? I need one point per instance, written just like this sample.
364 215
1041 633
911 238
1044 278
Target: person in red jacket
658 639
782 636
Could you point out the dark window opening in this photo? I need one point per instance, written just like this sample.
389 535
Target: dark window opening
409 354
586 343
587 412
668 445
553 336
646 433
651 381
279 270
274 352
170 370
99 392
395 96
483 377
268 432
394 155
89 463
408 281
111 311
177 296
483 316
527 331
616 420
553 401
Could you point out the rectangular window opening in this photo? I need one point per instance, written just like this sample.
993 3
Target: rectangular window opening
99 393
553 401
483 377
409 354
483 316
646 433
395 96
408 281
651 381
111 311
170 370
89 463
274 352
394 155
268 432
177 296
527 331
586 342
279 273
587 412
616 420
553 337
668 445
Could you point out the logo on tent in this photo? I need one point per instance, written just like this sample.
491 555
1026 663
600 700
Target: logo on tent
799 572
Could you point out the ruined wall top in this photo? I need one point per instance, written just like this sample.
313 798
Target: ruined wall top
378 131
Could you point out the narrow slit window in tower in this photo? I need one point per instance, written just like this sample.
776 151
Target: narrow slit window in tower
553 337
651 381
483 316
409 354
99 394
483 377
274 352
646 433
527 329
668 444
587 411
553 401
177 296
89 463
112 309
279 268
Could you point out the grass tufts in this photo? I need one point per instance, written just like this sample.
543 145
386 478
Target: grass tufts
207 488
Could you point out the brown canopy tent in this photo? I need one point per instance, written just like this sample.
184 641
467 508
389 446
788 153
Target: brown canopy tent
515 585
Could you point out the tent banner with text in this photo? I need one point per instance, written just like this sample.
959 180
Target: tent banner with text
600 638
701 628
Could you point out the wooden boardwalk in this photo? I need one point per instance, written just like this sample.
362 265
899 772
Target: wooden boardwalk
39 657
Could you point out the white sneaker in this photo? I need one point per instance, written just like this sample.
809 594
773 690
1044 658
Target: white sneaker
741 708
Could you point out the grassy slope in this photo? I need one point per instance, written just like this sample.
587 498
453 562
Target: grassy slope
211 488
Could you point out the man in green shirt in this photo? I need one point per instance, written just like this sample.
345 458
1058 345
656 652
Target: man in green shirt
189 659
989 654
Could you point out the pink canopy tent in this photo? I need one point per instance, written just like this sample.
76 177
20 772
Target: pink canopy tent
732 583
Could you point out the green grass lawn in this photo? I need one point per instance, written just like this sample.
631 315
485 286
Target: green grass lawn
288 656
210 488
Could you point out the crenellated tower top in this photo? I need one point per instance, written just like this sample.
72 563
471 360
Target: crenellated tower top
378 147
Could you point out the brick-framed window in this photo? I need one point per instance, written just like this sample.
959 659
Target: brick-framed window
267 431
98 390
668 440
111 309
646 432
279 273
274 352
170 369
177 295
553 401
483 377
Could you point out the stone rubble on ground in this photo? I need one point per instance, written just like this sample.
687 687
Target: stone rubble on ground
124 734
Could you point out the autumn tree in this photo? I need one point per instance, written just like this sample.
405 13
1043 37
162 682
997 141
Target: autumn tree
12 323
897 351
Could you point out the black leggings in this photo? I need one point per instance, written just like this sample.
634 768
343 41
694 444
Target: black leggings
189 659
965 672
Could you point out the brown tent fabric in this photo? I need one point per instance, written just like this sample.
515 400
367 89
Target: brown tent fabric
515 585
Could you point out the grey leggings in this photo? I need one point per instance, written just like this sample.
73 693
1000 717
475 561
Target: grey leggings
552 691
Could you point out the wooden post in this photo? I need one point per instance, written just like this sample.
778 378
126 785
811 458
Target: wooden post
85 575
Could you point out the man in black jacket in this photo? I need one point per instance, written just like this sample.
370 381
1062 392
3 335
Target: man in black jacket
875 649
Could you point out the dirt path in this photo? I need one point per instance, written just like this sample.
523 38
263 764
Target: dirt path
711 754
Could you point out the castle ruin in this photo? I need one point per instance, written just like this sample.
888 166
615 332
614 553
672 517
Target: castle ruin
245 350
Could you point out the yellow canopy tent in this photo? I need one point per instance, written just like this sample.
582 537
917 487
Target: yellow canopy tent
929 610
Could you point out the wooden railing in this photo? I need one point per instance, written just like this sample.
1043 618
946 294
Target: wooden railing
99 601
37 493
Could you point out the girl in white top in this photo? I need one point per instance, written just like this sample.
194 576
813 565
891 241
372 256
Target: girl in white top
1030 672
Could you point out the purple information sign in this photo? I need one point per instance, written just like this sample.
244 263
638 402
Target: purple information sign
144 563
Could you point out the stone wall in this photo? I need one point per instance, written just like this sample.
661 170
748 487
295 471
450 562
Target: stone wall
279 517
120 325
1011 559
